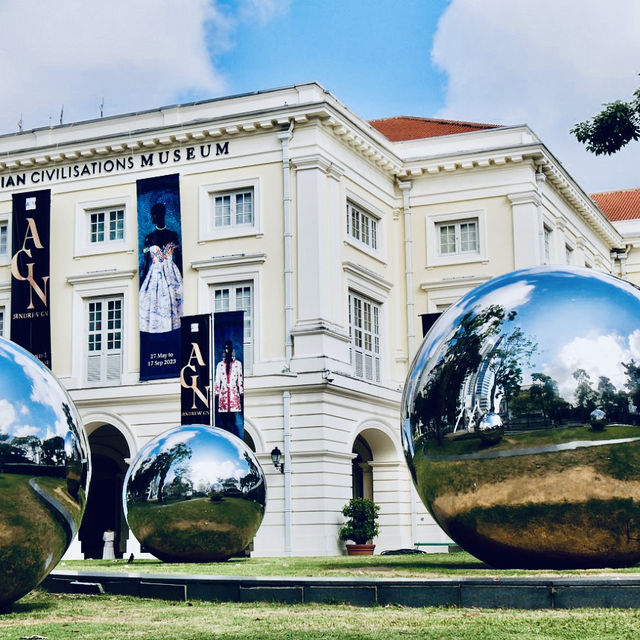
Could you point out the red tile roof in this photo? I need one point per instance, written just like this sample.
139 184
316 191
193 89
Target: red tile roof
619 205
413 128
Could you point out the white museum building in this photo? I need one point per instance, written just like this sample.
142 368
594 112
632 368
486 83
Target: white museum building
333 234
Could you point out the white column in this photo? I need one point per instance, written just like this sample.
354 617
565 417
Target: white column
317 332
527 229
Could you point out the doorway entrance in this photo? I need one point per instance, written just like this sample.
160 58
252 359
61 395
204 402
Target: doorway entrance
109 452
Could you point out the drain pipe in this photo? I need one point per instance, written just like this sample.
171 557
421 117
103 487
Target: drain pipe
286 411
405 187
285 137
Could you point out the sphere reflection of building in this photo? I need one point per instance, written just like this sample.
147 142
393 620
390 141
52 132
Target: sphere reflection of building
195 494
44 472
518 350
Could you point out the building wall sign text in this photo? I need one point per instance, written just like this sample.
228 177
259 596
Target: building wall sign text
113 165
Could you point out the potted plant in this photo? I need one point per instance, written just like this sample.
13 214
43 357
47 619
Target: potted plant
361 526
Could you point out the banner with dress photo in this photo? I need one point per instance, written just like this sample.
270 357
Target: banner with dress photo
160 271
228 347
30 321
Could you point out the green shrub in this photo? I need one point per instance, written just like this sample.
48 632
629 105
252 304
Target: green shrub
361 525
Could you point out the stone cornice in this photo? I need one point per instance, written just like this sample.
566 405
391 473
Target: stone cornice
366 274
101 276
229 260
452 283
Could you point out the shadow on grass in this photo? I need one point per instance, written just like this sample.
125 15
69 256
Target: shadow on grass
21 608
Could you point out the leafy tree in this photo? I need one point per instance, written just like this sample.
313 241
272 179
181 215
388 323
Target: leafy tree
613 402
613 128
586 396
633 381
545 393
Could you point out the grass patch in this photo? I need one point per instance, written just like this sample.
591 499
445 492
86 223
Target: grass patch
431 565
60 617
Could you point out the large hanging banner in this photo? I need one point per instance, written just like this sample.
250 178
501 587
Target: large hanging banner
195 370
30 321
160 269
228 341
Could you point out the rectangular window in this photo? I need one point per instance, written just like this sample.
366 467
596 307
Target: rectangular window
233 208
238 296
547 244
106 226
458 238
4 239
104 339
362 226
568 251
1 321
364 331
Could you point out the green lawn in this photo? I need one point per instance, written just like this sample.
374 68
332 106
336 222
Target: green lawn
60 617
420 566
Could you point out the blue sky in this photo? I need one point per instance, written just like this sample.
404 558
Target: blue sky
548 64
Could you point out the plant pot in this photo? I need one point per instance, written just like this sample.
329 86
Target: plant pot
360 549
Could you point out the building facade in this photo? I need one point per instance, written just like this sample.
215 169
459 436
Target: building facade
334 235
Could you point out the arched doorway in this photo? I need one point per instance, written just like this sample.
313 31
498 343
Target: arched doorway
109 455
361 476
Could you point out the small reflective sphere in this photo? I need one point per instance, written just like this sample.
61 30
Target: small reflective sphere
543 350
194 494
598 419
491 428
44 472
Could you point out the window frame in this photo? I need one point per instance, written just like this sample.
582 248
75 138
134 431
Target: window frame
375 335
457 226
434 223
84 210
104 284
365 208
206 218
227 270
6 218
104 378
248 344
362 213
5 308
365 283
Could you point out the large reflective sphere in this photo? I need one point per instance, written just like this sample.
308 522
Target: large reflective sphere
195 494
44 472
545 350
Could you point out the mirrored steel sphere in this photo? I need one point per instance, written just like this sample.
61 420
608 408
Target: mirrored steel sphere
598 419
195 494
491 428
44 472
541 349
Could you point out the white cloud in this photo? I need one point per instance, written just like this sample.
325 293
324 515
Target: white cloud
25 430
599 356
548 64
137 55
7 415
510 296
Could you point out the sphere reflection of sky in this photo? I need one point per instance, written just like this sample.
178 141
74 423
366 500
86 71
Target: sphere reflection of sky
31 399
579 318
212 459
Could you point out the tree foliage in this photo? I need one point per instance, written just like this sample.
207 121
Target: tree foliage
361 525
614 127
